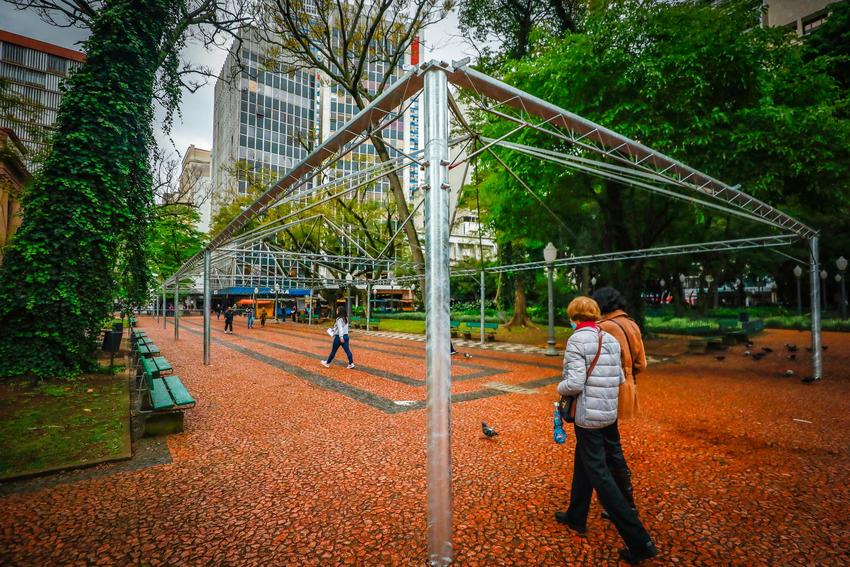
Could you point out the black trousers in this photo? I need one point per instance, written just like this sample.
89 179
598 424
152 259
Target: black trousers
228 325
591 472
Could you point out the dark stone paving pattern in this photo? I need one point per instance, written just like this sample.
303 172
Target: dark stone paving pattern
275 470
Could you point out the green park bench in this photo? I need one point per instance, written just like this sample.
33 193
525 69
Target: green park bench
753 327
489 330
163 406
156 366
455 328
357 322
147 349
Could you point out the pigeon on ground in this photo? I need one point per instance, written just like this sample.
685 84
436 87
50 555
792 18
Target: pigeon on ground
767 349
758 356
789 372
825 347
467 355
750 344
720 357
791 357
808 380
808 349
488 431
790 347
747 353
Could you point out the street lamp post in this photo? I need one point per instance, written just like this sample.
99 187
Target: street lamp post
348 279
708 279
823 276
550 253
682 287
276 291
663 294
841 264
798 271
254 297
593 284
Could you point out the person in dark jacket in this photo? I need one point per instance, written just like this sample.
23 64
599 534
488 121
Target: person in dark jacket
616 322
228 320
592 375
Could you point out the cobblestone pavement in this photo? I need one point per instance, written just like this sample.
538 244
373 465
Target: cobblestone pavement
286 462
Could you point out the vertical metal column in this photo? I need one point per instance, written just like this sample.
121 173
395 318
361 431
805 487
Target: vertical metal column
481 334
550 341
310 315
207 306
814 274
176 308
156 307
368 304
164 309
438 365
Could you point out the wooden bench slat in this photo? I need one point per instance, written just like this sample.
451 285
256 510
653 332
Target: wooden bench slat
160 399
149 367
162 365
178 391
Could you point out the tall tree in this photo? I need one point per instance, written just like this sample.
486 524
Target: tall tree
705 85
88 208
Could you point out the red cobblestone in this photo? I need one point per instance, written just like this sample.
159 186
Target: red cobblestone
273 469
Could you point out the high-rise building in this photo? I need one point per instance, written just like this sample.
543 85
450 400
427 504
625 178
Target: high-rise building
35 71
266 120
802 16
195 184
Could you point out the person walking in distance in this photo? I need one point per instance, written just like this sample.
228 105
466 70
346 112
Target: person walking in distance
228 320
263 318
250 317
592 375
218 310
616 322
340 334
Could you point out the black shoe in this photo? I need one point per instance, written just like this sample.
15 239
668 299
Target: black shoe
606 516
634 557
562 518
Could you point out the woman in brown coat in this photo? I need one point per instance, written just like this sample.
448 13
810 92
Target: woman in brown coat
615 321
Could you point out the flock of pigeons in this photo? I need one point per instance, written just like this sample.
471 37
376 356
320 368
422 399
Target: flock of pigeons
790 348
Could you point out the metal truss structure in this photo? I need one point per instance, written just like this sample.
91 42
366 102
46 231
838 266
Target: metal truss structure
236 257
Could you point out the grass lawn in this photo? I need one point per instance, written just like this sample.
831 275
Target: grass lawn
62 424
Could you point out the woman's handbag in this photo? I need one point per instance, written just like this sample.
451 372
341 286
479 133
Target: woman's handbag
567 404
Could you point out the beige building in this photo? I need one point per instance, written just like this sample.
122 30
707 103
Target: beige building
802 16
195 185
13 176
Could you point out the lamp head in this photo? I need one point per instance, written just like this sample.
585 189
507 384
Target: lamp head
550 253
841 263
682 278
823 274
798 271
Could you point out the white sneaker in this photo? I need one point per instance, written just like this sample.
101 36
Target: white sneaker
350 365
325 364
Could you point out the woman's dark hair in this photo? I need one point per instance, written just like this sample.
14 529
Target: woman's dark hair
341 314
609 299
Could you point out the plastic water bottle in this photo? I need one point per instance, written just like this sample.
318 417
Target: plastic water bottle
559 434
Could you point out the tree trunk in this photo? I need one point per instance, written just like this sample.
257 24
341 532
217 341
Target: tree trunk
403 212
520 318
57 282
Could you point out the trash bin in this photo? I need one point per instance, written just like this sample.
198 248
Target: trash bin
112 341
744 317
118 327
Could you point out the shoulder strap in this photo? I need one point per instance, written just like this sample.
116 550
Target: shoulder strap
626 334
595 358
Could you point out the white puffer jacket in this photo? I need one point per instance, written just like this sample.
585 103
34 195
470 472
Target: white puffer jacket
597 393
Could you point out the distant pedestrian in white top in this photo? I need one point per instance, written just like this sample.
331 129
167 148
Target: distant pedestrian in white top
340 335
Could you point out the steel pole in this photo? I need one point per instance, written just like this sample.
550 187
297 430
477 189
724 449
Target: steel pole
483 290
438 366
164 309
843 296
310 314
550 340
368 305
156 307
176 308
814 274
823 305
799 298
207 306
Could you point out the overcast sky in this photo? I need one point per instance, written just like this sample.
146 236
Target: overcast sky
194 126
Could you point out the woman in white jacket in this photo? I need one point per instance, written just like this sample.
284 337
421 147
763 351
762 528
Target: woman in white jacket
593 374
340 335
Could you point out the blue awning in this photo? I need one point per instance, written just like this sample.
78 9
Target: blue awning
267 291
